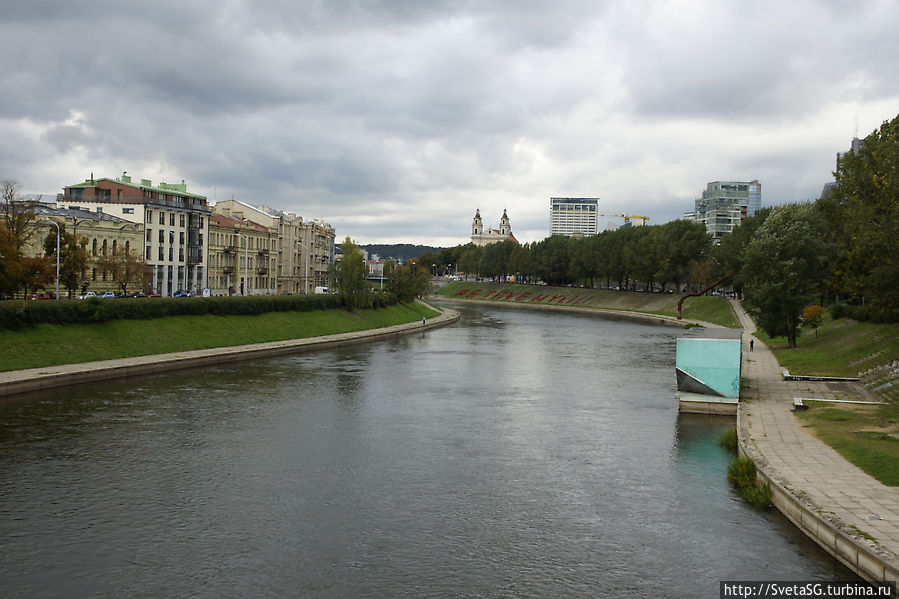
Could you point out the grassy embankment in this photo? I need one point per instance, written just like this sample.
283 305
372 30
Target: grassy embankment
48 345
716 310
866 435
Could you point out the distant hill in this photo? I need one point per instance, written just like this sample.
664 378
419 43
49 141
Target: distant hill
398 251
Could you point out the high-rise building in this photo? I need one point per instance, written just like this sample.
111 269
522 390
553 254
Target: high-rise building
724 205
573 216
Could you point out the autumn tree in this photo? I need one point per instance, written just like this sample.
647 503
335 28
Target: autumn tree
73 259
813 316
124 269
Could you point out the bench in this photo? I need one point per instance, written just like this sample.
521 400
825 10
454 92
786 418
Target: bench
798 405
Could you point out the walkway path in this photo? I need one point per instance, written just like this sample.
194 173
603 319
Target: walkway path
848 512
37 379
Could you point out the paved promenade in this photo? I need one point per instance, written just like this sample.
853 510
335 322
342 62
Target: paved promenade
37 379
845 510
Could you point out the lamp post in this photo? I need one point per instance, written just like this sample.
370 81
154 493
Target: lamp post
57 252
306 268
246 262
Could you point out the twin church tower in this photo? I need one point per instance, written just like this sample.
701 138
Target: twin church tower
479 236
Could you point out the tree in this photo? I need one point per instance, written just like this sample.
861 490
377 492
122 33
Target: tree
349 276
18 218
862 212
726 258
124 269
813 316
73 259
784 268
409 281
10 264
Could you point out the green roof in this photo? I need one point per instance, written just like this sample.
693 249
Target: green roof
168 188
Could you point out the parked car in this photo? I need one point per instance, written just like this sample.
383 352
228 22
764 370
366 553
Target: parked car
107 295
43 296
182 293
139 294
87 295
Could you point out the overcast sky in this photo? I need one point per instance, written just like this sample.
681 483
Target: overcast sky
395 120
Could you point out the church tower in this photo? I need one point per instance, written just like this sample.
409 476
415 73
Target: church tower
504 227
477 225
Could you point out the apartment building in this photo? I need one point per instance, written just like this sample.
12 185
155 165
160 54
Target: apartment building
724 205
175 222
243 257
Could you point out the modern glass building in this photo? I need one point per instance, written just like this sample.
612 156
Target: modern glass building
573 216
724 204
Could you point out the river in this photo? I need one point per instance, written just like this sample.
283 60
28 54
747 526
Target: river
514 454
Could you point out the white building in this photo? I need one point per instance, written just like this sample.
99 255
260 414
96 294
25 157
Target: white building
573 216
480 236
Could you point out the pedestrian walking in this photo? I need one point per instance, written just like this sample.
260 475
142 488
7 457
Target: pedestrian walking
751 343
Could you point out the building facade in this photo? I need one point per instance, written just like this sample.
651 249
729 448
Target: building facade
481 236
305 249
175 222
103 235
724 205
243 257
574 217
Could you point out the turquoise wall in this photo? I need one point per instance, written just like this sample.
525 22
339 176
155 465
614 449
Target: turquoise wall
714 363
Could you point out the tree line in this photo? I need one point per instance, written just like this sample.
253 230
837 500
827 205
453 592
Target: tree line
841 250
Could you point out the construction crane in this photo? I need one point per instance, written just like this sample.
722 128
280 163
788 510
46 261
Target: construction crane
627 217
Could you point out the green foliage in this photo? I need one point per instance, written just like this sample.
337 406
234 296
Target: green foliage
23 314
862 212
728 439
742 474
785 266
349 277
409 281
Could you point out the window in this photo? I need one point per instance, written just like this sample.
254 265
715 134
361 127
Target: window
148 253
162 218
149 216
149 234
172 219
171 253
161 254
161 236
115 247
94 249
171 238
104 250
127 210
99 209
181 254
182 220
181 237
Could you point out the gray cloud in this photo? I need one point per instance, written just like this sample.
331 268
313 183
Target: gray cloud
395 120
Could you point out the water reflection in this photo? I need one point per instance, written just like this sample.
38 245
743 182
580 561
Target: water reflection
514 454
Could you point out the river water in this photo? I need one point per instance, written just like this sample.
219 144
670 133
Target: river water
514 454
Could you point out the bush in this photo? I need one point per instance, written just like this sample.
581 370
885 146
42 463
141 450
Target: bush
742 474
728 439
23 314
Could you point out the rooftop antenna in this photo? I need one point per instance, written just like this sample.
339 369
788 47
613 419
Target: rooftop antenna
855 132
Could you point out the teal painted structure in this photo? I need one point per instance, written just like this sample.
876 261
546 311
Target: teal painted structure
709 366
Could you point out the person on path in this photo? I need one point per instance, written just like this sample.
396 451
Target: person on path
751 343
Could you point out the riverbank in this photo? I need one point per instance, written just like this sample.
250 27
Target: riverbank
49 377
847 512
663 306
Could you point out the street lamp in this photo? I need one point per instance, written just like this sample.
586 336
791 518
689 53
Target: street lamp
306 269
246 262
57 252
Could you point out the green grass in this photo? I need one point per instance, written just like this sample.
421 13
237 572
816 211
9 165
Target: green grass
861 434
845 347
728 440
716 310
742 473
48 345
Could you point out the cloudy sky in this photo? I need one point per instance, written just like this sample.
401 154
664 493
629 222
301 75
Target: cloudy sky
395 120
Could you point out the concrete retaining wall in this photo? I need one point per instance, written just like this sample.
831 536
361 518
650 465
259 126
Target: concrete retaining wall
833 537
